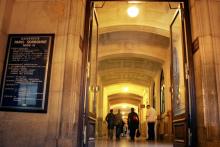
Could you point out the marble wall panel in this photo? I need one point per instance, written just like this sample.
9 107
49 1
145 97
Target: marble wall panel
56 79
197 73
48 16
214 6
194 23
13 127
59 48
207 51
54 110
6 17
191 3
35 17
19 17
205 19
76 17
70 101
216 46
2 10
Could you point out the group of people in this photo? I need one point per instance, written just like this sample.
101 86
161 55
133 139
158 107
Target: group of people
115 120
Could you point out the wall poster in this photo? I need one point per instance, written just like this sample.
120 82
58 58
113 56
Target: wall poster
26 75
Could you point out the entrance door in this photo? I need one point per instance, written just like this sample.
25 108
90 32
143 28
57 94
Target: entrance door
90 79
181 81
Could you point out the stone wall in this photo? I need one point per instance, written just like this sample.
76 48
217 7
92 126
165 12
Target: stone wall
64 18
205 18
6 7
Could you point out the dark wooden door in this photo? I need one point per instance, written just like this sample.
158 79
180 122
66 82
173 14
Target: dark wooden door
179 80
90 80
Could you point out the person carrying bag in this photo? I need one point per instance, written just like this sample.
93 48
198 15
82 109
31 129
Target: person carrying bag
133 123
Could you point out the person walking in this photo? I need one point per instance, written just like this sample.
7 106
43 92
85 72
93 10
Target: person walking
118 124
133 123
110 119
151 120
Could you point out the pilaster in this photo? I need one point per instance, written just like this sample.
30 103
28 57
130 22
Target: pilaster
204 22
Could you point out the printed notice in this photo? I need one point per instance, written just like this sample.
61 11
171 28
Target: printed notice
25 81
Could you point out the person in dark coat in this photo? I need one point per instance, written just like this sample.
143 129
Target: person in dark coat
110 119
118 124
133 123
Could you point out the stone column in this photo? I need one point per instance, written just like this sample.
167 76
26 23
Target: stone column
68 130
205 20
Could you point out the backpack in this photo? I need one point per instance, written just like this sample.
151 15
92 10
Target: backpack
135 118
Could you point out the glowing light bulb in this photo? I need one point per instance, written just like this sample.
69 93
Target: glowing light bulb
125 89
133 11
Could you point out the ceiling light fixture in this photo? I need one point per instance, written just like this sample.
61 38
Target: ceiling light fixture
124 106
125 89
134 2
133 11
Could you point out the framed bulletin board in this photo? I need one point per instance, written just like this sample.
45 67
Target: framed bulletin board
26 75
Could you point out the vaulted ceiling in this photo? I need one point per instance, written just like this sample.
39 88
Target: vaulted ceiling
128 70
154 17
132 50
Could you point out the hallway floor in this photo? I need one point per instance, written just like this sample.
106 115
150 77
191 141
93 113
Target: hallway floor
124 142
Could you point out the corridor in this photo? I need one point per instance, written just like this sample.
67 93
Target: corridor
124 142
65 64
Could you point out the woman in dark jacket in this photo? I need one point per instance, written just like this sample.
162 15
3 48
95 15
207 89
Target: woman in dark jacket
133 123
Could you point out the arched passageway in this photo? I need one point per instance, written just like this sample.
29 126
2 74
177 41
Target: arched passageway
131 54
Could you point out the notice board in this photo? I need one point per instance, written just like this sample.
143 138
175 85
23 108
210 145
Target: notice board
26 74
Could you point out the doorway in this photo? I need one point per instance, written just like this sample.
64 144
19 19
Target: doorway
125 55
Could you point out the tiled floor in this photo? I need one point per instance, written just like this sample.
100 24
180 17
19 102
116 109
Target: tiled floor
124 142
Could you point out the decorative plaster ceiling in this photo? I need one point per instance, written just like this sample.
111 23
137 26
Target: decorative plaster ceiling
123 96
130 42
154 17
128 70
133 50
135 37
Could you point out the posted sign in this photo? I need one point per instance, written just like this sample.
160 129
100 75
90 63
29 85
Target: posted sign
26 77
